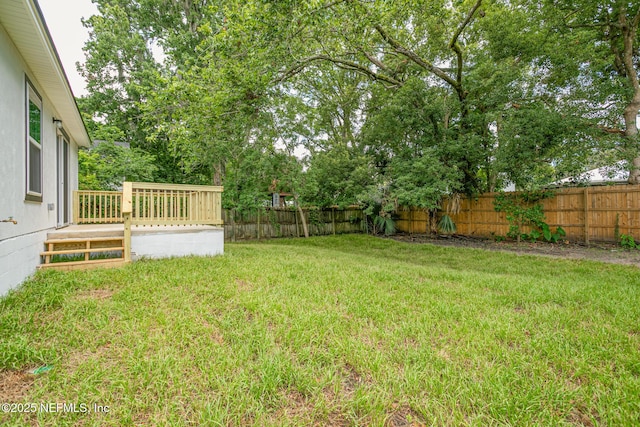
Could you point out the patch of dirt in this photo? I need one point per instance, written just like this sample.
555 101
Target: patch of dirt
243 285
351 380
216 334
604 252
296 406
80 357
404 417
581 416
95 294
14 386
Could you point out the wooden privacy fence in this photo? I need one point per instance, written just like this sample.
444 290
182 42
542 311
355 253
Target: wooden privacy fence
586 214
97 207
284 222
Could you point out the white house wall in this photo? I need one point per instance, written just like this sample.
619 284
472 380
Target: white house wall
21 244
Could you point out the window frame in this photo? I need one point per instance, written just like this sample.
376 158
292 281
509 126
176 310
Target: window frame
32 97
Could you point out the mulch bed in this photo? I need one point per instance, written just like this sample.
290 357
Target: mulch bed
605 252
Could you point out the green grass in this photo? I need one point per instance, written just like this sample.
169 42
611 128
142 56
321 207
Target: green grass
347 330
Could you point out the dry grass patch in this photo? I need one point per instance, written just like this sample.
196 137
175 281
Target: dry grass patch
94 294
15 385
404 416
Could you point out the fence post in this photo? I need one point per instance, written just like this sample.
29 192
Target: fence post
233 224
410 221
258 228
333 219
586 215
470 222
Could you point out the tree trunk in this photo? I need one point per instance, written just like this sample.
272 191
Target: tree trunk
218 173
305 228
631 134
629 31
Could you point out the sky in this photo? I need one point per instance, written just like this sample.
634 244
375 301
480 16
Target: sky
64 21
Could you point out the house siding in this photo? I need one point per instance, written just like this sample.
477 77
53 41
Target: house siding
21 244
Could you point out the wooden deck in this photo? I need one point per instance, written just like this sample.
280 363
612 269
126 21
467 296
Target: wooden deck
111 230
105 220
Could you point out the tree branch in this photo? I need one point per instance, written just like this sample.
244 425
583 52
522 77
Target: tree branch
453 44
398 47
342 63
374 60
614 131
635 22
464 24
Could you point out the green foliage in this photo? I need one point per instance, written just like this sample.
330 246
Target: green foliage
411 148
385 224
552 237
379 209
497 237
628 242
446 225
107 165
336 177
315 217
533 235
533 134
523 209
357 92
273 220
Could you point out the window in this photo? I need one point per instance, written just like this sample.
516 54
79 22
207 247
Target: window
34 145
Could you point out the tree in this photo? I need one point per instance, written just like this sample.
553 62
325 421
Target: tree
132 45
107 165
358 101
604 42
392 43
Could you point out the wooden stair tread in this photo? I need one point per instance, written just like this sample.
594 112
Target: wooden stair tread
84 239
84 250
76 265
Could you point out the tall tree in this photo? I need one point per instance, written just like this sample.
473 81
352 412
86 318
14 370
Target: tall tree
601 37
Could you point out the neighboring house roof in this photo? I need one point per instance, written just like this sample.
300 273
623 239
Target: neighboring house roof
24 22
616 173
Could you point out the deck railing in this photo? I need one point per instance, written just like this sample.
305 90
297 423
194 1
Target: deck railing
168 204
173 204
97 207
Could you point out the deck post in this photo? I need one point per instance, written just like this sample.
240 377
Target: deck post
76 206
127 237
127 208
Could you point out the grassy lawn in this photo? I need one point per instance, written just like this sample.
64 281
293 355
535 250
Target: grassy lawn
347 330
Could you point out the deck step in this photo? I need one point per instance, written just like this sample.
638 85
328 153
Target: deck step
82 265
84 246
79 251
84 239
